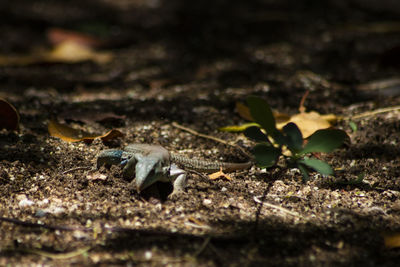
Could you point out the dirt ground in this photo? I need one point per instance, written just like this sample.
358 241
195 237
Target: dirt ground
189 63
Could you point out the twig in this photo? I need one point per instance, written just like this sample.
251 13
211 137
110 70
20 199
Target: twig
202 247
287 196
76 169
50 227
221 259
303 99
286 211
374 112
216 139
198 173
58 256
204 227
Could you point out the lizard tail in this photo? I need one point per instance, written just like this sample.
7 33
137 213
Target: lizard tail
208 166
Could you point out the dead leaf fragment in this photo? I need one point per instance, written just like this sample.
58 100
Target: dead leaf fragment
243 111
96 176
9 118
111 135
219 174
58 35
71 52
308 122
66 133
196 221
65 52
392 240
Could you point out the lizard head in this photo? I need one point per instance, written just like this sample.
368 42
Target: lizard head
150 170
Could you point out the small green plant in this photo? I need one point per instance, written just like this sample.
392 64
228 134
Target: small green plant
271 141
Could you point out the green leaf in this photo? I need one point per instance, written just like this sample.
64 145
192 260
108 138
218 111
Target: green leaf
256 134
353 126
294 137
304 171
238 128
325 140
266 155
279 138
262 114
360 178
320 166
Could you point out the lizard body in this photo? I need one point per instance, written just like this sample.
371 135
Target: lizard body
152 163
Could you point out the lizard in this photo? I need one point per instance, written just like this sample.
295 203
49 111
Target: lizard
152 163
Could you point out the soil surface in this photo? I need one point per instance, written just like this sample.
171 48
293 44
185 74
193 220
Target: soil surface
190 62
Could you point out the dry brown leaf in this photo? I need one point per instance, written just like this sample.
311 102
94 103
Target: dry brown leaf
9 118
280 117
219 174
65 52
71 52
244 112
112 134
58 35
392 240
308 122
69 134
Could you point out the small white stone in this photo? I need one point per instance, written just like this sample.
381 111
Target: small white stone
25 203
40 213
207 202
43 202
55 210
179 209
79 234
21 197
148 255
89 223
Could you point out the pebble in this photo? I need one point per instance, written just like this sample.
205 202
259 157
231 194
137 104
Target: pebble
25 203
40 213
396 205
148 255
207 202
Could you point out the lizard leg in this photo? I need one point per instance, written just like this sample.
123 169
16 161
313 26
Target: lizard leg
128 172
179 179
